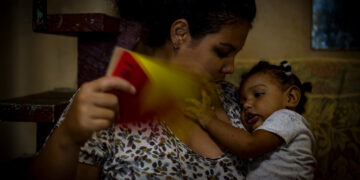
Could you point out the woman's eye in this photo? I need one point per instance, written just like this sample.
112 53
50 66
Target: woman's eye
258 94
222 54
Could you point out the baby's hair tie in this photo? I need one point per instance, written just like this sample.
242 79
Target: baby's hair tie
287 67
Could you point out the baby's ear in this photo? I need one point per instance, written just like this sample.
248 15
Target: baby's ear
293 95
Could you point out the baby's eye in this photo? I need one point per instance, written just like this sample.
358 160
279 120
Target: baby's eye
258 94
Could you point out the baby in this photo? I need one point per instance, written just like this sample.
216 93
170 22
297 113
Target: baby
277 138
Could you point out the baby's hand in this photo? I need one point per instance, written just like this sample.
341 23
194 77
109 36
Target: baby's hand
202 112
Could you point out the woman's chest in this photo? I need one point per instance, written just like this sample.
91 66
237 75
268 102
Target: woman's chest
156 152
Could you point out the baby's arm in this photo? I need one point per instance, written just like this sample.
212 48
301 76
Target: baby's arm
238 141
241 142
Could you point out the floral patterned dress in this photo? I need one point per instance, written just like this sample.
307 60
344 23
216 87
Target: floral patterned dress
151 151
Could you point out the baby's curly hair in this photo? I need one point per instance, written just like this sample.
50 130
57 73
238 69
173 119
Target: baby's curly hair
283 75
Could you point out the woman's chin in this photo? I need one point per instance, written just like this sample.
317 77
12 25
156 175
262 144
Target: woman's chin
220 81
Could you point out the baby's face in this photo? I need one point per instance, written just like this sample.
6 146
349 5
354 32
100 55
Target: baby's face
260 96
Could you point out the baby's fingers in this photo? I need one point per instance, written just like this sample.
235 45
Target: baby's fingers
206 100
190 115
192 112
193 102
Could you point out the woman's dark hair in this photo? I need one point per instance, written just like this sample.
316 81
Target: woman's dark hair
203 16
285 78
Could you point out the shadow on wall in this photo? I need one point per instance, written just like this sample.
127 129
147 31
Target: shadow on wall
6 80
29 63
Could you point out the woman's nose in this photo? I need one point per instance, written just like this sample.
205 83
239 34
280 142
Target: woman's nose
229 67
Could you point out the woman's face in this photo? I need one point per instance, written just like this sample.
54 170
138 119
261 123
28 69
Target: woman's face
214 53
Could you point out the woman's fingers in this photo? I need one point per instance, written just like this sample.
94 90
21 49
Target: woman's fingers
100 124
106 100
94 107
109 83
102 113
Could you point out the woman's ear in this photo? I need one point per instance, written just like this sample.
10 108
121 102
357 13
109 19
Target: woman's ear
179 33
293 95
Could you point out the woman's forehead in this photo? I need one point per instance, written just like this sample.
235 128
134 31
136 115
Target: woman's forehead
232 36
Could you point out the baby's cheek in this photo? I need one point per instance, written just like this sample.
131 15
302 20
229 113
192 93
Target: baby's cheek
242 115
258 124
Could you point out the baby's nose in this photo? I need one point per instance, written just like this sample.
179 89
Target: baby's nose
247 105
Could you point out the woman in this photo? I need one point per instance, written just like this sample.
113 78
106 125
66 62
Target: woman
205 33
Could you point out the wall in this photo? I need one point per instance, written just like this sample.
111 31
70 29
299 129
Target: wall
32 62
282 29
29 63
82 6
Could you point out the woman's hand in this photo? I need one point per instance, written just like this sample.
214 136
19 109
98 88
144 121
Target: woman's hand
94 108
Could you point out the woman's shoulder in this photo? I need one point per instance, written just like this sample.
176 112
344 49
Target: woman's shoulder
230 97
228 87
228 92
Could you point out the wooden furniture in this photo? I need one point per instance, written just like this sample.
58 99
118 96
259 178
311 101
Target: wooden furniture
43 108
97 35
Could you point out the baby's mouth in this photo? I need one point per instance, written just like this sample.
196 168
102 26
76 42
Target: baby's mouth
251 118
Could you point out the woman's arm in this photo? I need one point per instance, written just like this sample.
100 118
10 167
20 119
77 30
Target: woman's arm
57 160
67 156
87 172
93 109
